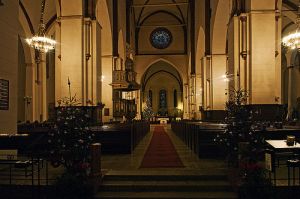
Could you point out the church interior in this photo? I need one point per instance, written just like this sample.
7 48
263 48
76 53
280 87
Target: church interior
154 98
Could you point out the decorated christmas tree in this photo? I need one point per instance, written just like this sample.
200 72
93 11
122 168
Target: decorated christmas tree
147 110
239 138
70 137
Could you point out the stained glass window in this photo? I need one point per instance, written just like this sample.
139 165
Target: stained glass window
162 99
150 97
160 38
175 98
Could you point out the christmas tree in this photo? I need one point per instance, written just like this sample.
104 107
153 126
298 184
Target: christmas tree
147 110
70 137
239 138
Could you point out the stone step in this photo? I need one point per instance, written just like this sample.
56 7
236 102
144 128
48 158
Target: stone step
166 195
151 184
180 186
166 175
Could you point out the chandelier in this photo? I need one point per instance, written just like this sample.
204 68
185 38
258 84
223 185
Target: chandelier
292 41
39 41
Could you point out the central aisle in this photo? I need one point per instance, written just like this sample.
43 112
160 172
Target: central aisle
198 178
119 162
161 151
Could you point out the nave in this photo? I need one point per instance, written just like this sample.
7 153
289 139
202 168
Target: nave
197 178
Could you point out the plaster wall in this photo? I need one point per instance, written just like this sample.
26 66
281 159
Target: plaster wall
9 62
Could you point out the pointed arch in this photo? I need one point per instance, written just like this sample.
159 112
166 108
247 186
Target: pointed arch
104 18
219 27
150 72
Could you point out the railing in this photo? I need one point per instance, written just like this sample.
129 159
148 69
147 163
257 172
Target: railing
26 169
31 175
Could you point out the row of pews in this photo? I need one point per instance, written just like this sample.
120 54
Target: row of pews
122 137
114 138
199 136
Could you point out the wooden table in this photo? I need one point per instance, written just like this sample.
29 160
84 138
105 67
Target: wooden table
282 145
279 147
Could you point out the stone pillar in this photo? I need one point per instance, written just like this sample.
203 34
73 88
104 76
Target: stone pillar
186 101
72 53
58 82
278 66
29 99
192 96
214 69
43 89
290 92
96 79
262 29
218 81
106 87
292 83
234 52
253 52
40 88
79 54
198 92
207 88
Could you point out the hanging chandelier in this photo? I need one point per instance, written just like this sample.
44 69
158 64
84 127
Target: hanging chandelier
39 41
292 41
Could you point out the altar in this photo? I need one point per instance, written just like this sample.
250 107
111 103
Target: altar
163 120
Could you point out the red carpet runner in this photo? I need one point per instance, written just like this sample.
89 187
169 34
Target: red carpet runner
161 151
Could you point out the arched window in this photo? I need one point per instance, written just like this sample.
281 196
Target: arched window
163 99
175 98
150 97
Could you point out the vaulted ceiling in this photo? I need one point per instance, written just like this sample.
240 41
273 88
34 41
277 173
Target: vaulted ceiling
149 13
32 12
289 14
160 12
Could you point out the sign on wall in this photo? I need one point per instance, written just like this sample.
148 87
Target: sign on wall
4 94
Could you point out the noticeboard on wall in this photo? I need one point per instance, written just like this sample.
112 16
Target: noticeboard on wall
4 94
